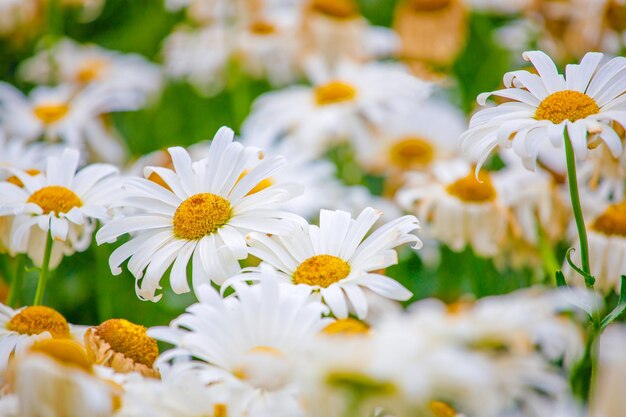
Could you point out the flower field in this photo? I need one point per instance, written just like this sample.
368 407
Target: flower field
312 208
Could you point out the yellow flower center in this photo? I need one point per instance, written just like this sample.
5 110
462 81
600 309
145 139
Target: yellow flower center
65 351
429 5
334 92
38 319
441 409
612 222
338 9
262 28
16 181
129 339
470 190
50 113
201 215
90 70
321 270
566 105
348 326
55 198
411 152
220 410
268 350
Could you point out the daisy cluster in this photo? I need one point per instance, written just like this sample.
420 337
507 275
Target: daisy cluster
279 268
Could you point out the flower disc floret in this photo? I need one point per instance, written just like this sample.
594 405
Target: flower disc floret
55 198
338 9
334 92
566 105
411 152
51 113
321 271
472 190
347 326
612 222
39 319
201 215
129 339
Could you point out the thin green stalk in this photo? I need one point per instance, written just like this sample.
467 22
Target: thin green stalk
578 213
43 272
16 283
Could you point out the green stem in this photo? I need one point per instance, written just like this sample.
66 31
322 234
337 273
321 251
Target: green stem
578 213
16 284
43 272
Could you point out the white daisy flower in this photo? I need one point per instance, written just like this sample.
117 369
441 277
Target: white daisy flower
59 113
344 105
250 341
429 134
56 378
584 103
19 154
69 62
59 201
20 329
457 209
16 15
336 259
202 216
336 31
186 56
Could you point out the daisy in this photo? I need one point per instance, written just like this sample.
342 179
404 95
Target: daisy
582 103
202 216
250 341
432 31
59 201
343 105
19 154
16 15
69 62
336 259
186 58
457 208
413 143
122 346
334 31
61 114
55 378
20 329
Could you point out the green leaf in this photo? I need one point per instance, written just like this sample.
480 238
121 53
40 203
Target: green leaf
560 279
621 305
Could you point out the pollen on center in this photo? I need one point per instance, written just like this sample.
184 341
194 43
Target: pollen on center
337 9
51 112
128 339
334 92
39 319
55 198
470 190
612 221
347 327
411 152
201 215
321 271
566 105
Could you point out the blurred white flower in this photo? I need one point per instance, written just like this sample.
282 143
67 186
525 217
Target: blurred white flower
345 105
59 201
250 341
71 63
61 114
